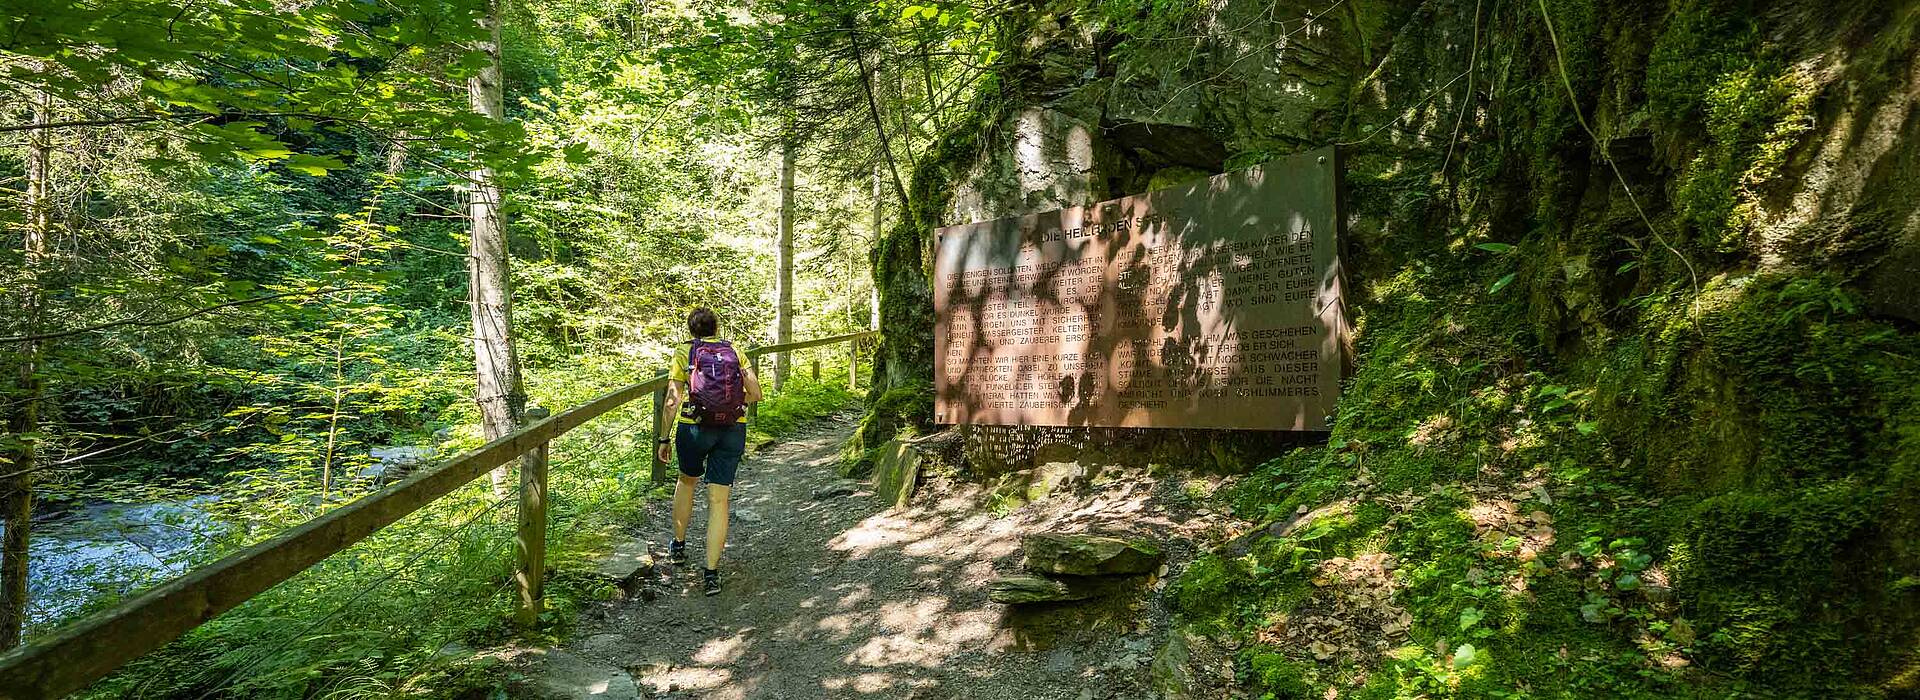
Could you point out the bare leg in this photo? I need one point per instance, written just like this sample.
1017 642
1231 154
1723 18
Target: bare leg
717 496
683 505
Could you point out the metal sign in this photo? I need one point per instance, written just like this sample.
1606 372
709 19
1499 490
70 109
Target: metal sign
1215 304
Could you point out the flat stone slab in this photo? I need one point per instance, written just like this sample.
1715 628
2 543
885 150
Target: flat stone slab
842 488
630 564
1088 555
1017 590
557 675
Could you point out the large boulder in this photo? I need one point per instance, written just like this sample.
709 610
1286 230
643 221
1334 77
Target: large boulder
1015 590
1088 555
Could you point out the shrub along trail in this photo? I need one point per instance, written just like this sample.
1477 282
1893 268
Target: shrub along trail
829 595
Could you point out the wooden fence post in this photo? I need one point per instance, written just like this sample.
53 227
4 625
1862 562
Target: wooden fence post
853 365
531 542
753 409
658 474
816 369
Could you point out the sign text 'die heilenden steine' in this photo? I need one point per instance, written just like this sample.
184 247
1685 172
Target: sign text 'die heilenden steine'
1210 305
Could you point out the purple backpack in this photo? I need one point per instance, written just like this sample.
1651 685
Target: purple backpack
717 391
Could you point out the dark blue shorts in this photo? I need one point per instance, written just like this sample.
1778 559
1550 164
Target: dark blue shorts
710 450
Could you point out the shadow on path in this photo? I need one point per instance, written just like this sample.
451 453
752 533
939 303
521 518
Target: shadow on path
838 598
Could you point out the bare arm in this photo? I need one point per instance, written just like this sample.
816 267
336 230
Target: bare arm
752 384
676 394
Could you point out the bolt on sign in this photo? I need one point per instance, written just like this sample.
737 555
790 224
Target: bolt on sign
1215 304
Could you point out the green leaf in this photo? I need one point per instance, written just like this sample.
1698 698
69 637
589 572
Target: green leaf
1680 632
316 166
577 154
1501 283
1464 655
1470 617
1494 247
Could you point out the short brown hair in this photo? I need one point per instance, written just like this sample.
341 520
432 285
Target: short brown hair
702 322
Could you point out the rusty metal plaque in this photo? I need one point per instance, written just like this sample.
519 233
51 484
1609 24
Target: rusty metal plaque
1215 304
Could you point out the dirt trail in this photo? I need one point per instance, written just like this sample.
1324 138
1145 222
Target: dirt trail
831 596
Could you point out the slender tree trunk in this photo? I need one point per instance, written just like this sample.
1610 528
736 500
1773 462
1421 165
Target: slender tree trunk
783 311
879 124
333 419
873 296
16 503
489 284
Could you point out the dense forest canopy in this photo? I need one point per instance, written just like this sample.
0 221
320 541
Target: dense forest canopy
1632 410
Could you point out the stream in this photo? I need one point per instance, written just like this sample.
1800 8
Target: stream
103 550
108 549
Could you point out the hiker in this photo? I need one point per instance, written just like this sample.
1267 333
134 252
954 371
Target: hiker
709 391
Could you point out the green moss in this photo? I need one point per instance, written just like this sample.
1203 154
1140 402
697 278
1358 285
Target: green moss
1279 677
1772 576
1754 117
907 407
1701 42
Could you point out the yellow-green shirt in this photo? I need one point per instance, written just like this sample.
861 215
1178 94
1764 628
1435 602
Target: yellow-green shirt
678 372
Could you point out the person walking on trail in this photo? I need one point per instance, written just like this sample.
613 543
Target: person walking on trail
709 391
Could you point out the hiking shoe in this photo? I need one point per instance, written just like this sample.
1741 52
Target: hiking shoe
677 552
710 581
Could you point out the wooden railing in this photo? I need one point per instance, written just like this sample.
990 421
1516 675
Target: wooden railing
81 653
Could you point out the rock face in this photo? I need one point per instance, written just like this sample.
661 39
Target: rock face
896 469
1088 555
1015 590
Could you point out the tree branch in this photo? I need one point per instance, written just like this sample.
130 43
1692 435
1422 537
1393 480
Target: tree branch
80 122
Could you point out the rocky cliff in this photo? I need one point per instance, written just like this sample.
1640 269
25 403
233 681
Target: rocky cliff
1636 408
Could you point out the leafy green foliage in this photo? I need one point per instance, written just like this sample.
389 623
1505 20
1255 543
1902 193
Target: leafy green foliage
307 164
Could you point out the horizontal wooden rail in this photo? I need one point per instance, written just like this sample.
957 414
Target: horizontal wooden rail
86 651
83 652
804 344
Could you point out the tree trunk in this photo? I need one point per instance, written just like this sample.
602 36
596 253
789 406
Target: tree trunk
879 124
783 310
879 209
489 286
853 348
16 503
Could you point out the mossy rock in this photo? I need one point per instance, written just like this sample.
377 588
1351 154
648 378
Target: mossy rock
1022 590
1088 555
896 470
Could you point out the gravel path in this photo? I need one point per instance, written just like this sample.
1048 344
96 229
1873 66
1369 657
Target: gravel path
832 596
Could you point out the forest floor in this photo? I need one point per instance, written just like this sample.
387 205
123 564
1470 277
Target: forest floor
827 594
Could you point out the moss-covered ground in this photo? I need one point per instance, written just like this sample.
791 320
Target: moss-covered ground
1721 506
